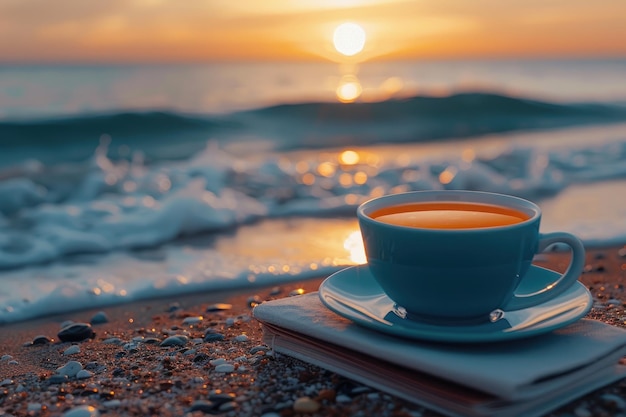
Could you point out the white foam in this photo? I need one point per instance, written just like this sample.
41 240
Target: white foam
103 211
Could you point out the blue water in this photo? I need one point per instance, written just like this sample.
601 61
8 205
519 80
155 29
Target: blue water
126 182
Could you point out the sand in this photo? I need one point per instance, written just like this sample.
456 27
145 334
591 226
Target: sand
235 374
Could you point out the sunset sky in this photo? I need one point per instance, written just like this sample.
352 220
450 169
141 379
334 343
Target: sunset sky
226 30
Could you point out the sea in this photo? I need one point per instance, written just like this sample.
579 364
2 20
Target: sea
128 182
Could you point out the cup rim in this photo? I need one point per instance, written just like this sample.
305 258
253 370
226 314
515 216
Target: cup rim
444 195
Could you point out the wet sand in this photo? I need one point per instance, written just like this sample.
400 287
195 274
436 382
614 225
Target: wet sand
220 365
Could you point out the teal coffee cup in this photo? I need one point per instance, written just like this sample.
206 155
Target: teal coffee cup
459 255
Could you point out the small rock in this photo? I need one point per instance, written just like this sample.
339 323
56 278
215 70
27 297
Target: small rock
41 340
218 361
70 369
6 358
614 401
191 321
213 337
72 350
174 341
241 338
305 405
76 332
83 374
6 382
225 368
206 407
57 379
66 323
275 291
221 398
99 318
111 403
82 411
259 348
218 307
33 407
113 341
173 307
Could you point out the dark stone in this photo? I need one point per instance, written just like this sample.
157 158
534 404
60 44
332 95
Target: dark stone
219 399
206 407
218 307
41 340
201 357
76 332
213 337
58 379
99 318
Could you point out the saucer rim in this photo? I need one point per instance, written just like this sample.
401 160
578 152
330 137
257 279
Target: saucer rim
428 334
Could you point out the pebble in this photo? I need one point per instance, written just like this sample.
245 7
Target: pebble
259 348
72 350
82 411
173 307
190 321
305 405
174 341
213 337
83 374
57 379
33 407
40 340
218 307
111 403
218 361
241 338
76 332
613 401
225 368
221 398
202 405
66 323
113 341
99 318
582 412
6 382
6 358
70 369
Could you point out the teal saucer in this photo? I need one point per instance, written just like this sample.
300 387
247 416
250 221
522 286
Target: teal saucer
353 293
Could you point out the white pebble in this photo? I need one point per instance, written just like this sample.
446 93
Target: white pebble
72 350
70 369
82 411
83 374
225 368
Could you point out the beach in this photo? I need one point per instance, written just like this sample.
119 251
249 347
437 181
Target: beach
221 365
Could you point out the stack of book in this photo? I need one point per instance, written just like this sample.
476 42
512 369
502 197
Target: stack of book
522 377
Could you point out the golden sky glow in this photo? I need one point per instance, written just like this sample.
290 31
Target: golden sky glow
200 30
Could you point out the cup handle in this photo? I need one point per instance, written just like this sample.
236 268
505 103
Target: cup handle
519 301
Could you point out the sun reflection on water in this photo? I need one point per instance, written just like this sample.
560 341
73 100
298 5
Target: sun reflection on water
354 245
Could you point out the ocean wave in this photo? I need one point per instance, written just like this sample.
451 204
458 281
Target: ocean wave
103 205
171 135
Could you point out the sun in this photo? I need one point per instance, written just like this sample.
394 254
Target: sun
349 39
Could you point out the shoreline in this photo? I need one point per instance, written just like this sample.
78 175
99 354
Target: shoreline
221 366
